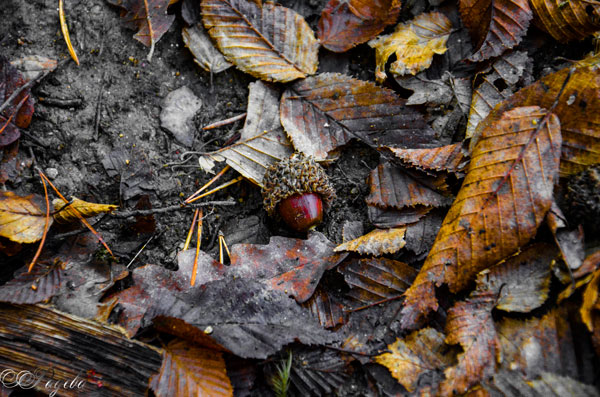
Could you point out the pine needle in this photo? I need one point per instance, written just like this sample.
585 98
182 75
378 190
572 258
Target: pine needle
65 31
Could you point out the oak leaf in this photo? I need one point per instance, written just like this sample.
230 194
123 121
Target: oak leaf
495 25
567 20
324 112
414 43
347 23
268 41
376 242
67 212
505 195
22 218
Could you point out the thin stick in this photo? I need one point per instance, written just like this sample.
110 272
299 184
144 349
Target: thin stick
207 184
225 122
191 231
46 225
221 244
65 31
223 186
150 31
138 253
198 242
171 208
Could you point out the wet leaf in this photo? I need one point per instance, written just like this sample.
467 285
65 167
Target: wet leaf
495 25
289 265
498 84
375 279
22 218
578 109
504 198
148 17
469 323
263 141
414 43
204 52
67 212
421 352
39 285
376 242
191 371
567 20
268 41
449 158
324 112
10 81
326 308
345 24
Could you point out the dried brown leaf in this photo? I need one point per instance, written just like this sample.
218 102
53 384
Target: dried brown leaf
449 158
268 41
10 81
567 20
204 52
385 218
376 242
42 283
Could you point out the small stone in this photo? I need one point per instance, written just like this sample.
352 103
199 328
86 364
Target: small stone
51 173
178 110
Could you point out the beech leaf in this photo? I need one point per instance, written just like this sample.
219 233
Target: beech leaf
42 283
376 242
67 212
204 52
567 21
326 308
22 218
449 158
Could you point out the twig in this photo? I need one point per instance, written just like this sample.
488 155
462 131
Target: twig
62 103
224 122
128 214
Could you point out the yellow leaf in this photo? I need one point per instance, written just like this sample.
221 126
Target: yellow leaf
414 43
68 214
377 242
22 218
591 301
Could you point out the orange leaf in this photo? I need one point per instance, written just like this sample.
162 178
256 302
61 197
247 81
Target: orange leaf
22 218
495 25
347 23
377 242
268 41
191 371
504 198
567 20
449 158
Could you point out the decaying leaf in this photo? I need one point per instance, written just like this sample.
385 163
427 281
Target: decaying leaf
376 242
385 218
268 41
497 85
570 242
419 353
449 158
505 195
324 112
375 279
495 25
578 109
548 385
188 370
469 323
414 43
437 92
326 308
22 218
420 236
31 66
567 20
317 372
177 115
19 111
42 283
204 52
345 24
132 170
263 141
67 212
590 308
289 265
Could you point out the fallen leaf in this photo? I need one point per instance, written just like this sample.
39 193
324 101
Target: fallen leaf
325 112
421 352
376 279
376 242
505 195
317 372
437 92
570 242
548 384
41 284
177 115
567 21
578 109
326 308
345 24
498 84
10 81
67 212
205 54
22 218
268 41
495 25
414 43
469 323
263 141
420 235
31 66
148 17
132 170
591 302
385 218
290 265
449 158
188 370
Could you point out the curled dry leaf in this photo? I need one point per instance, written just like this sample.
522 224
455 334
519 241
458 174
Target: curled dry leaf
421 352
204 52
345 24
22 218
376 242
188 370
375 279
449 158
263 141
495 25
67 212
326 308
505 195
578 109
324 112
414 43
268 41
567 20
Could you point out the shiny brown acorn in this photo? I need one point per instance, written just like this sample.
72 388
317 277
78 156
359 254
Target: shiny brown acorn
296 189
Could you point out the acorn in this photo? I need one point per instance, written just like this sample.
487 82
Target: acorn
296 189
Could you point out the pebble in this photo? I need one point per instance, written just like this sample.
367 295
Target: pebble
51 173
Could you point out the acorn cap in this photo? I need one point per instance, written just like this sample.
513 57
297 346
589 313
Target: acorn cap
295 175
